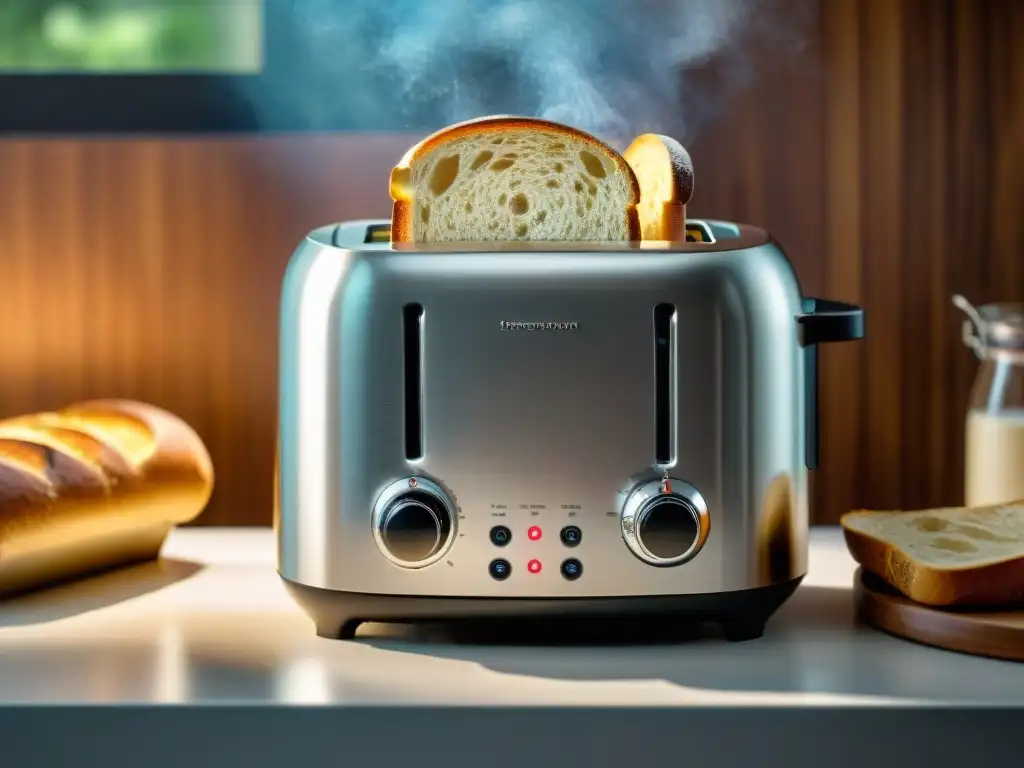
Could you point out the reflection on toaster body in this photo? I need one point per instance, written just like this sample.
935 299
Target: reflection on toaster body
776 542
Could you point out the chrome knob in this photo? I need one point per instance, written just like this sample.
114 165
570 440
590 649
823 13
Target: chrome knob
414 522
665 522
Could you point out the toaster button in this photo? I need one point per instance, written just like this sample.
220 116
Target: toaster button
572 569
500 536
571 536
500 569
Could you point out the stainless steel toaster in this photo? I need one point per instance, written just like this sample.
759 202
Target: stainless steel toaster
547 430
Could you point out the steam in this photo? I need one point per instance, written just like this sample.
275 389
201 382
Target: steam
612 67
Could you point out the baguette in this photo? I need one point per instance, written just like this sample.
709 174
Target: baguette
665 173
957 556
93 486
513 178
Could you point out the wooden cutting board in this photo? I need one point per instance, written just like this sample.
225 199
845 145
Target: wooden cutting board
998 634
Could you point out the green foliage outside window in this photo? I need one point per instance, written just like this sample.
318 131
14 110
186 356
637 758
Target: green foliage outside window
124 36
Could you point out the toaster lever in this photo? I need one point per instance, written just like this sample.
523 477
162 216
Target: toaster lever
822 321
827 321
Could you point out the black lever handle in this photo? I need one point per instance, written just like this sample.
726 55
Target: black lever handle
822 322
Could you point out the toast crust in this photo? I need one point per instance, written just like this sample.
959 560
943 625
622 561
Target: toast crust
997 583
403 203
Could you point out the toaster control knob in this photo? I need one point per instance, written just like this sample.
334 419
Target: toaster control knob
665 523
414 522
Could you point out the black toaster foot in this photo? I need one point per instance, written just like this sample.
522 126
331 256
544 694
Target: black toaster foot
345 631
740 631
742 615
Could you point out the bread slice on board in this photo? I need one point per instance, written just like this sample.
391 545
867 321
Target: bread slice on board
957 556
665 173
513 178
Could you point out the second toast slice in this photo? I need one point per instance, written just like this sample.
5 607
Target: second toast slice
665 173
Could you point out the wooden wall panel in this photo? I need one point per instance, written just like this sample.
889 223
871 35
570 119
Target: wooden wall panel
887 156
840 480
151 269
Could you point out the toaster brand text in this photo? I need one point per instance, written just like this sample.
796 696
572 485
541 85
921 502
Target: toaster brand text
507 325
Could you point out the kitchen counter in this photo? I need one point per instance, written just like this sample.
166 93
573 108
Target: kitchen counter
211 625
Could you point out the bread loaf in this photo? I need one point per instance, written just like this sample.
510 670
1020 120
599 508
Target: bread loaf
665 173
957 556
513 178
93 486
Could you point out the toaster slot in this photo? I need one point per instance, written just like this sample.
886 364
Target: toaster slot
664 383
412 341
699 232
378 233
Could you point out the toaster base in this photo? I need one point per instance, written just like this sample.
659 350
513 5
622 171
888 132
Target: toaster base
742 615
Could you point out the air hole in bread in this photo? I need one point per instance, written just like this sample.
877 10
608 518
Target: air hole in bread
521 230
560 202
502 199
519 204
559 167
553 184
425 214
514 184
498 141
953 545
541 215
590 203
443 175
593 164
501 164
974 532
469 207
578 186
481 159
931 524
579 210
558 147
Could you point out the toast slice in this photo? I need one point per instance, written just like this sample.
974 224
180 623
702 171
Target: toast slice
957 556
513 178
665 173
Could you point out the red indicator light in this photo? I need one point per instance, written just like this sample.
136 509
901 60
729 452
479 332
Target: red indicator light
533 566
534 534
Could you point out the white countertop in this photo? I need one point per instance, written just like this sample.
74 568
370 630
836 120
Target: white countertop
211 623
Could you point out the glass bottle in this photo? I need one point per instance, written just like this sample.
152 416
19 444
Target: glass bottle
994 435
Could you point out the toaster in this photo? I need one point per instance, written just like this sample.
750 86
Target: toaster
547 430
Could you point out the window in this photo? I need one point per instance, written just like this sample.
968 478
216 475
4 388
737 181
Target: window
202 66
142 66
131 36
